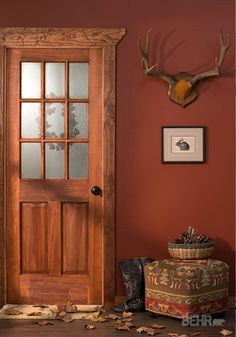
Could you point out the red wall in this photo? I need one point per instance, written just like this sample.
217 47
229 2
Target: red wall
155 202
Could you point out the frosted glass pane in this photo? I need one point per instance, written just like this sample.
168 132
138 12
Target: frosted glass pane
78 80
54 156
30 120
78 120
78 160
30 80
54 120
30 160
55 80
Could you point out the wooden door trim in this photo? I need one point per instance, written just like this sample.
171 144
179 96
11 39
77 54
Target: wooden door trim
107 39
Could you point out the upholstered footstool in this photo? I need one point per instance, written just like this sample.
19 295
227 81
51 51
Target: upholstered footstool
182 288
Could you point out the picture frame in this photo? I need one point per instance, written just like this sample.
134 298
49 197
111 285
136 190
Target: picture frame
183 144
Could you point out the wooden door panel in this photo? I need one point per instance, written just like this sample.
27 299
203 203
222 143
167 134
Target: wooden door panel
55 225
33 238
54 238
75 238
32 190
38 288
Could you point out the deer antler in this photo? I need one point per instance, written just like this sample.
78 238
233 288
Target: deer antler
149 70
219 61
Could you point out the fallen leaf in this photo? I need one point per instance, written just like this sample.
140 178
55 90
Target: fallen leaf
43 306
60 307
70 308
195 334
225 332
66 318
142 329
127 314
112 316
13 312
36 313
89 327
61 314
172 334
44 322
158 326
123 327
98 319
129 324
118 322
128 319
101 310
182 335
152 332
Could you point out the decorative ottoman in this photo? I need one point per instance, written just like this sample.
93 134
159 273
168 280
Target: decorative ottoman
182 288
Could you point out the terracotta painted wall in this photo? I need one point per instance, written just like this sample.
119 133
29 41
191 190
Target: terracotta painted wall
155 202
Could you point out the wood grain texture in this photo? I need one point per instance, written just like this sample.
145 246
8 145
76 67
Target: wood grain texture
65 37
96 173
71 38
75 237
12 209
54 238
109 175
17 328
2 175
41 288
33 238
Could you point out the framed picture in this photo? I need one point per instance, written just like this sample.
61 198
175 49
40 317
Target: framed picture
183 144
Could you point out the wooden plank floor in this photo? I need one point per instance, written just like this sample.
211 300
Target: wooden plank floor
28 328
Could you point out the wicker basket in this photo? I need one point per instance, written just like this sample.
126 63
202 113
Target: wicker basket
190 251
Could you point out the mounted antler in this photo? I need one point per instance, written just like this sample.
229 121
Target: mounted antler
182 87
145 62
219 62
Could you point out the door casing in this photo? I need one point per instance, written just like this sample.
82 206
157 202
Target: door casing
106 39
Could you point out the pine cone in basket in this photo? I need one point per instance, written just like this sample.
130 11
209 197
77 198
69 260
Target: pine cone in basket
191 236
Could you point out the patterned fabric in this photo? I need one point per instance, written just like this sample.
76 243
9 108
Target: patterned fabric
181 288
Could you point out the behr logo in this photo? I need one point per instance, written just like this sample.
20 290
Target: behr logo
204 320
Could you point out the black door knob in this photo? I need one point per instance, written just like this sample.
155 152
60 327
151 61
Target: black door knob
95 190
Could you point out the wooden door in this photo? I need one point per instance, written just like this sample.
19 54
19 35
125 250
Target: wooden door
54 157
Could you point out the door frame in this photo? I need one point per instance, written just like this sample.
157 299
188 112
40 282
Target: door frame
107 39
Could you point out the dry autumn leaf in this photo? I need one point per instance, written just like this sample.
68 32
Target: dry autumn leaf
152 332
127 314
13 312
173 334
36 313
66 318
142 329
70 308
195 334
182 335
118 322
122 327
128 319
44 322
61 313
112 316
98 319
42 306
225 332
89 327
100 310
158 326
129 324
